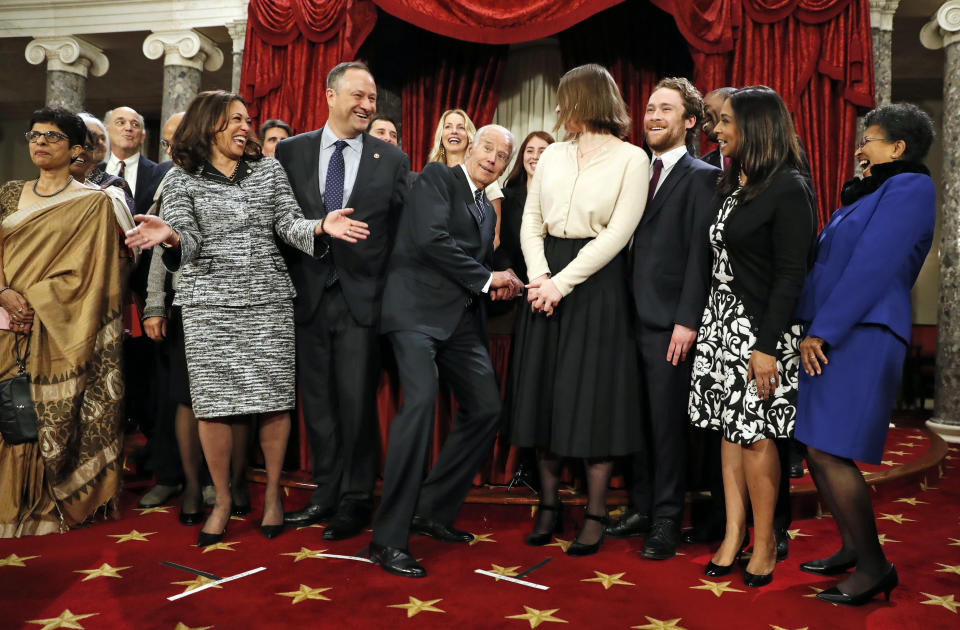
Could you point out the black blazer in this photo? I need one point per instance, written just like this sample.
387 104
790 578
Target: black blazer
670 258
377 198
441 260
149 176
509 255
769 241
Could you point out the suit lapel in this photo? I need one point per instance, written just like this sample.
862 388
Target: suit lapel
677 173
467 196
369 159
310 159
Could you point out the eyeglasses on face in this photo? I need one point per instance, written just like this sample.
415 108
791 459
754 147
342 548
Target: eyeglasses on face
866 140
52 137
165 145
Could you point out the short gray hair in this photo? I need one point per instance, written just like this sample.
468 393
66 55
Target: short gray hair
501 129
89 118
334 76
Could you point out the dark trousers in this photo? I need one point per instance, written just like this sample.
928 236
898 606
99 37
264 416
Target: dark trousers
656 477
164 452
338 363
463 362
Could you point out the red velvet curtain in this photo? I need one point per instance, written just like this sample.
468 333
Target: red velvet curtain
816 53
290 47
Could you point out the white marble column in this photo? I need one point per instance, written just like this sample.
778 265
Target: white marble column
238 33
943 31
881 26
186 53
69 60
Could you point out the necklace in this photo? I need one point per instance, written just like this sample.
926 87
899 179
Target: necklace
583 153
53 194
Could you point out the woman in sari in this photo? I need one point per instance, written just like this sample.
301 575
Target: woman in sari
60 286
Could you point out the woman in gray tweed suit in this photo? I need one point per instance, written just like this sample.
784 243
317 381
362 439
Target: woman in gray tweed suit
223 205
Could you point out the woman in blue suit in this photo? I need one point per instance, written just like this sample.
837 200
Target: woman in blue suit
856 302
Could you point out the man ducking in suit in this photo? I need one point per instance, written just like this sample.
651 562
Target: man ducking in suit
433 314
670 283
337 308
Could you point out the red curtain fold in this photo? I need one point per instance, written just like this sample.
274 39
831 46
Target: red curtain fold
502 22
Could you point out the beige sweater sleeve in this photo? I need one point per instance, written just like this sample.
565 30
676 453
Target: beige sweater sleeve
532 230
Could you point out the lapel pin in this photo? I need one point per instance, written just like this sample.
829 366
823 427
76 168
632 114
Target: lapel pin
376 156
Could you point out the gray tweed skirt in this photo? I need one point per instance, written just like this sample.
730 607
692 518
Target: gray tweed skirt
241 360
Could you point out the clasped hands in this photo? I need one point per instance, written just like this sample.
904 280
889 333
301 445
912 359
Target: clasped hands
543 295
21 315
505 285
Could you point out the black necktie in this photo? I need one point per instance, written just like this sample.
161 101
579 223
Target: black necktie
657 169
481 200
333 192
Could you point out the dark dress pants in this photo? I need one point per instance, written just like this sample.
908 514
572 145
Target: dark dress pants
657 473
164 452
338 362
463 362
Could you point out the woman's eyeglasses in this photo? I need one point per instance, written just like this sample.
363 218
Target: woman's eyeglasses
51 137
165 145
866 140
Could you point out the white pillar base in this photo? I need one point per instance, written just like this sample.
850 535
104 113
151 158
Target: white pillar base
949 432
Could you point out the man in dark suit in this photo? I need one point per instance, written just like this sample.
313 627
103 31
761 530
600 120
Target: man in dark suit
670 283
433 314
712 103
337 308
143 175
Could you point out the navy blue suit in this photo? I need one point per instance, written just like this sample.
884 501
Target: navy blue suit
857 299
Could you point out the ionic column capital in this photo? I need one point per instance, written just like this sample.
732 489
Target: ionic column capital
944 28
67 54
184 48
238 33
881 13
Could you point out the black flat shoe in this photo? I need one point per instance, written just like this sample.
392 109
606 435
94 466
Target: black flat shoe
719 570
577 548
662 542
628 525
822 567
756 581
349 521
539 539
271 531
190 518
205 539
886 584
396 561
310 514
439 531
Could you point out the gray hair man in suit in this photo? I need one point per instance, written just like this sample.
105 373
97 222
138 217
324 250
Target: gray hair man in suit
433 314
337 308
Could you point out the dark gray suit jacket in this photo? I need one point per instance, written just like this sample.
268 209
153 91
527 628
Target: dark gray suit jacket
442 257
671 255
377 198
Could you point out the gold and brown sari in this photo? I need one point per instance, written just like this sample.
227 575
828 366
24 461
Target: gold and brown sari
62 256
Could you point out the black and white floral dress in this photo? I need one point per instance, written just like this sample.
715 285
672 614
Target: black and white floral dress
720 397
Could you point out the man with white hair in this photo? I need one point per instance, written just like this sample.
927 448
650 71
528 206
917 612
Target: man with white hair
433 314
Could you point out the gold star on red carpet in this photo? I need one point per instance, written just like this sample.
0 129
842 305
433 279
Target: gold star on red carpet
781 628
560 542
949 568
195 583
657 624
479 538
899 519
946 601
888 462
105 570
133 535
909 500
305 593
221 546
609 580
183 626
161 509
304 553
717 588
796 533
955 543
536 617
907 444
884 540
505 571
416 606
66 620
13 560
900 453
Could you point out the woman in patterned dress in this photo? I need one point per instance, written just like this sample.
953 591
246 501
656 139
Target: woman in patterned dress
745 373
223 206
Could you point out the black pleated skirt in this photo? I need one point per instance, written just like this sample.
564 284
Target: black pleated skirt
576 384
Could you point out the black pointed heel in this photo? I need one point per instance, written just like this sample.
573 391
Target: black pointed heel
886 584
756 581
205 539
577 548
822 567
719 570
539 539
271 531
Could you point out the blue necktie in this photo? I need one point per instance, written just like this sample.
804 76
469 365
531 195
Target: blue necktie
333 192
481 200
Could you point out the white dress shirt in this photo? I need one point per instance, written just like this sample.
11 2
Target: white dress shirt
351 161
129 172
669 159
473 193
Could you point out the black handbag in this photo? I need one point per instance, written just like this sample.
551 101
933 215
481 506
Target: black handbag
18 420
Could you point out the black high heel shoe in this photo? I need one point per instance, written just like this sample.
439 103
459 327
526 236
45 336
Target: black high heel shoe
822 567
577 548
272 531
539 539
756 581
205 539
719 570
886 584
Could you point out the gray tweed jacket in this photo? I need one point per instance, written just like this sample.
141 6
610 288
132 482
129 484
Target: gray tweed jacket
228 251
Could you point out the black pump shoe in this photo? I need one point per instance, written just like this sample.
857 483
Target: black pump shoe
756 581
271 531
719 570
205 539
822 567
577 548
886 584
539 539
190 518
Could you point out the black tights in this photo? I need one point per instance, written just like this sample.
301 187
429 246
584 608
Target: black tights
847 497
598 479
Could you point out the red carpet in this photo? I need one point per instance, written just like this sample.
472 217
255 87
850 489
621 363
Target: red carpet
62 581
